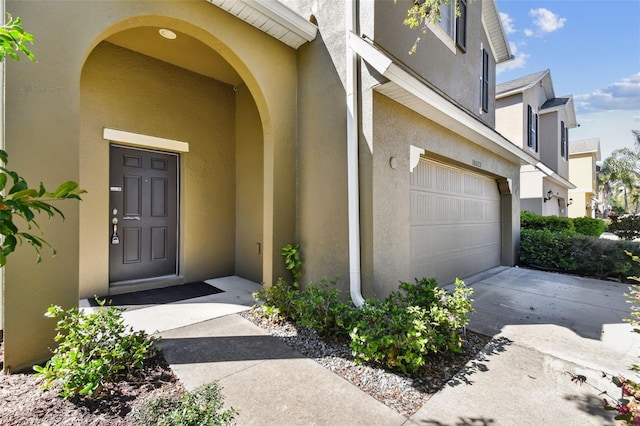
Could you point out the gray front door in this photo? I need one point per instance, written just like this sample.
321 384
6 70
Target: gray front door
143 188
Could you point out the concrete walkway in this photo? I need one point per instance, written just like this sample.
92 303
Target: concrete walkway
544 325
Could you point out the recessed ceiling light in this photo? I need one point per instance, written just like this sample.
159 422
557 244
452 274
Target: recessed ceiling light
168 34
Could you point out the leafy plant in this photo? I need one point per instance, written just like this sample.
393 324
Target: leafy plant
280 300
588 226
530 220
424 12
22 201
626 227
401 330
93 350
543 247
202 406
320 307
293 260
13 38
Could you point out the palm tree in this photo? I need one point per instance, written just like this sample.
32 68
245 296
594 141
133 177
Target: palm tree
622 169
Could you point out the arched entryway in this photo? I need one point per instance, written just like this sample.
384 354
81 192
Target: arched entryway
155 84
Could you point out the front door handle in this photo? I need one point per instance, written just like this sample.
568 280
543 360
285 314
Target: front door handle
131 218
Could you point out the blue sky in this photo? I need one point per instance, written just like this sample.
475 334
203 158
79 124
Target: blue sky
592 48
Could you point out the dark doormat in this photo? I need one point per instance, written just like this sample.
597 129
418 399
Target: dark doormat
159 296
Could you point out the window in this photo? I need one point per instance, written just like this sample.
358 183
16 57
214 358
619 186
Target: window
448 18
461 26
564 141
532 125
484 89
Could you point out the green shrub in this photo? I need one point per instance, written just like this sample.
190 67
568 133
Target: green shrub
401 330
601 258
200 407
529 220
588 226
93 350
320 307
542 247
626 227
280 300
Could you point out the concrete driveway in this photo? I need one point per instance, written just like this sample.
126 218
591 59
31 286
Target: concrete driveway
545 325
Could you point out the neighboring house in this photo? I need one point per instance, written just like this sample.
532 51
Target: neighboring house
530 115
583 155
216 132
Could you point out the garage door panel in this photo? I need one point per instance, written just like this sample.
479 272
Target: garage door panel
455 222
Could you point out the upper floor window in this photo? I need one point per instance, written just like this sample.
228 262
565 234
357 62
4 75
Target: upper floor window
461 26
451 29
532 126
564 141
484 81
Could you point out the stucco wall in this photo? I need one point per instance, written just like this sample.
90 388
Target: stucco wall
510 121
127 91
249 187
548 138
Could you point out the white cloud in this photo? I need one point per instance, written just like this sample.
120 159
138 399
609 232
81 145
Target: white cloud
520 60
507 23
545 21
528 32
623 95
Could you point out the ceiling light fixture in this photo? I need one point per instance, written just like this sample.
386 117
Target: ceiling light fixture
168 34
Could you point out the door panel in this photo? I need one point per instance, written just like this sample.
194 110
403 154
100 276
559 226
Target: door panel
144 205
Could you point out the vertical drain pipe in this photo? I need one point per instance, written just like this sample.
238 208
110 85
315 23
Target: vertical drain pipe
352 157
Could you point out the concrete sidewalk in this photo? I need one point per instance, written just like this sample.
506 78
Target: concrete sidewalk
544 325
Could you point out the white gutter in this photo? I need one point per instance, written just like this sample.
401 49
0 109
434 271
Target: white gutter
2 91
355 285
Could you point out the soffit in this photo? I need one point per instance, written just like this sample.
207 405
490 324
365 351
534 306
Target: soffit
273 18
409 91
497 37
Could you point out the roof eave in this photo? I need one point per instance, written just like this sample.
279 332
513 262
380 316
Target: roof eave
407 90
273 18
497 37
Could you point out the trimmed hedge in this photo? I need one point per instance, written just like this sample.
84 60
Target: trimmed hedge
530 220
588 226
571 245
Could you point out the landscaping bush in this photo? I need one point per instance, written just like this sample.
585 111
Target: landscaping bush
529 220
280 300
588 226
320 307
93 350
202 406
545 248
422 318
602 258
397 332
626 227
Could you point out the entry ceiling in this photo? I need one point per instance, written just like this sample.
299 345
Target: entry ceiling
184 51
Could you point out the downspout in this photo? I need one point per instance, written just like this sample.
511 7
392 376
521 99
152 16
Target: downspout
2 91
355 285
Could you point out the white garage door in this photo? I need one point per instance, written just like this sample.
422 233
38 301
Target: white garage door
455 222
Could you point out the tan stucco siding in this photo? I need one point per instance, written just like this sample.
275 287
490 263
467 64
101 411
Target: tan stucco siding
128 91
249 183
